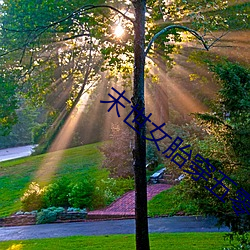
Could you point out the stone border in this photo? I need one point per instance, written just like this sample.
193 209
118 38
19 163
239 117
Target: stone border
30 219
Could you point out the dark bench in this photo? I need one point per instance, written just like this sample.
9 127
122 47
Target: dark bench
155 177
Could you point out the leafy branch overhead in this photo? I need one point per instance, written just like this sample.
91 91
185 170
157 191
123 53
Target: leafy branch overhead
41 31
52 42
35 32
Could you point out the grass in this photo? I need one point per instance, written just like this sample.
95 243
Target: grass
170 241
16 175
169 203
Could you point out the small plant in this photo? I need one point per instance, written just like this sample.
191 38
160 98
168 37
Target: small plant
104 192
122 186
33 197
76 210
48 215
243 242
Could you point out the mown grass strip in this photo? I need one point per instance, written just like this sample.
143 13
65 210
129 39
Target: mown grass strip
170 241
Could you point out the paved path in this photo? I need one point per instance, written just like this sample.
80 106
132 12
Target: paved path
125 206
14 153
156 225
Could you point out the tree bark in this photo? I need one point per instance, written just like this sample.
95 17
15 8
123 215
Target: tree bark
139 151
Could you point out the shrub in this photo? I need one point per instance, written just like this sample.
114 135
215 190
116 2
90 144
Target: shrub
109 189
38 131
103 194
81 194
122 186
48 215
243 241
57 193
33 197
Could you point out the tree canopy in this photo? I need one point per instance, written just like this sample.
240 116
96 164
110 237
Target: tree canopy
59 50
58 45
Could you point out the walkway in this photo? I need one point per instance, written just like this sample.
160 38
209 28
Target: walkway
124 207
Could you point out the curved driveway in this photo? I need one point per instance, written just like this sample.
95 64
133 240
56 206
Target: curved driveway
17 152
156 225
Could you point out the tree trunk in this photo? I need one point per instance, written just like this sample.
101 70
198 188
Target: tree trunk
139 151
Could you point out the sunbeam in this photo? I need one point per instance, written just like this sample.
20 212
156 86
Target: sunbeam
171 92
61 142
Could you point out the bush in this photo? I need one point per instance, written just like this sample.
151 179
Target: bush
57 193
88 193
109 189
76 210
81 194
123 185
48 215
103 194
33 197
243 241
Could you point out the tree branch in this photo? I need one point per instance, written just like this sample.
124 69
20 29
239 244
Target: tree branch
112 8
218 38
74 13
42 29
86 8
193 32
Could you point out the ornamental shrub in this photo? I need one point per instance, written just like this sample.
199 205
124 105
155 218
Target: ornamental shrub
33 198
57 193
48 215
242 241
103 193
81 194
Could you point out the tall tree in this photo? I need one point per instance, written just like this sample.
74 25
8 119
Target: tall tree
63 24
229 124
139 151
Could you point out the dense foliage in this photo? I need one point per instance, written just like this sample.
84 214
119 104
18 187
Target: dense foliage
56 49
226 145
8 105
88 193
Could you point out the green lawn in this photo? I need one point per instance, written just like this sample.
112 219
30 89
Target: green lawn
169 241
16 175
169 202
